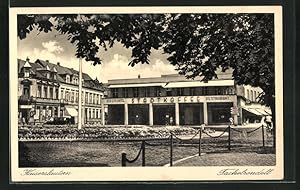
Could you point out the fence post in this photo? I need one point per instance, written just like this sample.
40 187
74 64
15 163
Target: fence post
200 134
263 135
123 159
171 149
143 154
229 148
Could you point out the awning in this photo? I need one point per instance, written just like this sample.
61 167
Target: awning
136 85
72 111
199 83
258 111
253 111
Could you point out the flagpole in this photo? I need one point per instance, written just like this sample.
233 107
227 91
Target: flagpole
79 95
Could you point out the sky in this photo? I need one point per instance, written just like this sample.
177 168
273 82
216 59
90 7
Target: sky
55 47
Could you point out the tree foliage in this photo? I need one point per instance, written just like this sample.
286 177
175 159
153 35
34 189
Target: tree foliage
197 44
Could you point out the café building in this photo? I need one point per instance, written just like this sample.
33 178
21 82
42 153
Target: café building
175 100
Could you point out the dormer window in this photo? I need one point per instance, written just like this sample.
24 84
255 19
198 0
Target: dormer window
26 73
48 75
68 78
26 68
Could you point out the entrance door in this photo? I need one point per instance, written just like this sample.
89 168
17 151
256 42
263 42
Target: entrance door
191 114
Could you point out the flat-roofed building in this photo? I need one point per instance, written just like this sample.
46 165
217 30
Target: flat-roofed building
175 100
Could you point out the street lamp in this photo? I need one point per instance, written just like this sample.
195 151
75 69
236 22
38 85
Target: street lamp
79 94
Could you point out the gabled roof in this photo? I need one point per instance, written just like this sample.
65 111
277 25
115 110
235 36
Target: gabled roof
39 65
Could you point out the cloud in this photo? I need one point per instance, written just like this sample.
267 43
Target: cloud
117 68
52 46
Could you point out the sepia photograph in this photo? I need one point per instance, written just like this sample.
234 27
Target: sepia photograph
157 93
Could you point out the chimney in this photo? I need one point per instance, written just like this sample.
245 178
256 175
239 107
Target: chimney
27 59
139 76
58 63
47 61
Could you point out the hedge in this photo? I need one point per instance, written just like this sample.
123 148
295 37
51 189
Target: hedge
67 132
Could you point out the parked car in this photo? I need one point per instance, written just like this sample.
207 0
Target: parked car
60 121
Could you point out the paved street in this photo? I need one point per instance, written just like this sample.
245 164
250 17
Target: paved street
230 159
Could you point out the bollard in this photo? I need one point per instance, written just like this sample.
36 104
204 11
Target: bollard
171 149
143 154
229 148
200 134
123 159
263 136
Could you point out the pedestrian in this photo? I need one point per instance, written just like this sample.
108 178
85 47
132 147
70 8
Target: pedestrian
269 123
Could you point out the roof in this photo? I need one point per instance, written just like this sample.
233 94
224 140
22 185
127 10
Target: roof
40 66
227 75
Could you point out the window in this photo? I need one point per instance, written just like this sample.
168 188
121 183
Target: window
248 94
26 91
94 99
135 92
169 92
146 92
62 93
251 95
76 99
26 73
255 95
158 91
56 93
125 92
97 113
180 91
48 75
39 91
55 111
93 113
54 76
86 97
192 91
218 91
51 92
45 91
90 113
114 92
67 78
90 98
204 90
72 96
67 95
230 90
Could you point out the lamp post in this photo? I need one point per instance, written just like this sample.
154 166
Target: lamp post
80 95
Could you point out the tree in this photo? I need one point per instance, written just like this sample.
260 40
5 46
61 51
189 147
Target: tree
200 44
197 44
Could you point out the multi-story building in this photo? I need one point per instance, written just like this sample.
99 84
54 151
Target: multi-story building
47 91
175 100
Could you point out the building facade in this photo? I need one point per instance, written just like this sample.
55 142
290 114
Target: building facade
47 91
175 100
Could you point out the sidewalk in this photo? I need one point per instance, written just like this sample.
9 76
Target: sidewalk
229 159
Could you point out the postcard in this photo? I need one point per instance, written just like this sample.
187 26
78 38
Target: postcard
173 93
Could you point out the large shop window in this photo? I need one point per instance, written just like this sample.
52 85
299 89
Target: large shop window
138 114
191 114
115 115
219 113
164 114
